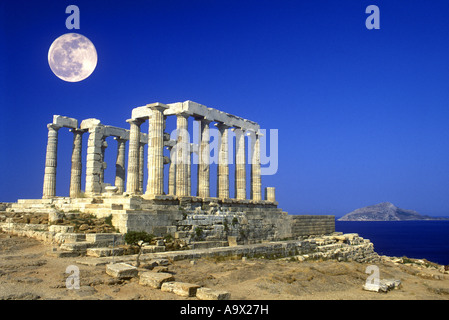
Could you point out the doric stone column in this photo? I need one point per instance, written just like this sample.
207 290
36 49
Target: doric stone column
256 182
77 167
182 155
204 160
49 189
240 165
172 172
120 173
141 165
104 145
223 163
155 185
270 194
94 163
132 182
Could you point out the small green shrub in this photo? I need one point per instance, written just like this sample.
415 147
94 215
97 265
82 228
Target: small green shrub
138 239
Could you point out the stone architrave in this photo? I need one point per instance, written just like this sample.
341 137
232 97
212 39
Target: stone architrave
132 183
204 160
223 163
77 167
182 155
240 165
256 182
120 172
155 185
49 189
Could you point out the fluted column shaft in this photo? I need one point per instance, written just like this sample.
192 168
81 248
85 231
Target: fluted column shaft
49 189
182 155
223 163
104 145
132 183
120 173
240 165
204 160
141 166
77 167
256 182
94 162
155 185
172 172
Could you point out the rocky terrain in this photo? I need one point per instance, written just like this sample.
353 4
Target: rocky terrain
27 271
384 211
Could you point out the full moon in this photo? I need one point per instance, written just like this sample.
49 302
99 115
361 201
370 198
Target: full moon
72 57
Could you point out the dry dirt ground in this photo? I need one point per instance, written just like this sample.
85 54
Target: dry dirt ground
27 272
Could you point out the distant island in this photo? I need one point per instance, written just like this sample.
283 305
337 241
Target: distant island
385 211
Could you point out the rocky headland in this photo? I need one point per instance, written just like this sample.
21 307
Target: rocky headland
385 211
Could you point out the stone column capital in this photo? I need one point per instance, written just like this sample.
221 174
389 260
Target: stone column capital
222 125
184 114
250 132
120 139
138 121
157 106
53 126
77 131
204 119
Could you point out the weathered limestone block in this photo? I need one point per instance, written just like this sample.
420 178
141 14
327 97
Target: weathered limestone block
211 294
66 122
182 289
155 279
60 229
104 252
152 249
121 270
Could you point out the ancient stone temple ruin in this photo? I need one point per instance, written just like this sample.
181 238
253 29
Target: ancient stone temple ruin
135 204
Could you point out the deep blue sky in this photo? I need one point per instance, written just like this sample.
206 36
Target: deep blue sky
362 114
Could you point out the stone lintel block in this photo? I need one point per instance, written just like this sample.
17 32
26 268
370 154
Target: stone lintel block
211 294
104 252
155 279
66 122
121 270
182 289
89 123
116 132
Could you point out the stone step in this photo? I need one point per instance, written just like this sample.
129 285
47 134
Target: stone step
207 244
82 246
104 252
329 247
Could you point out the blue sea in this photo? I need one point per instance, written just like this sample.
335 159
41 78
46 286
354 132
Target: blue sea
413 239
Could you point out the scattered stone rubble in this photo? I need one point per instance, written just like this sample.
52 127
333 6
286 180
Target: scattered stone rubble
384 285
163 280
